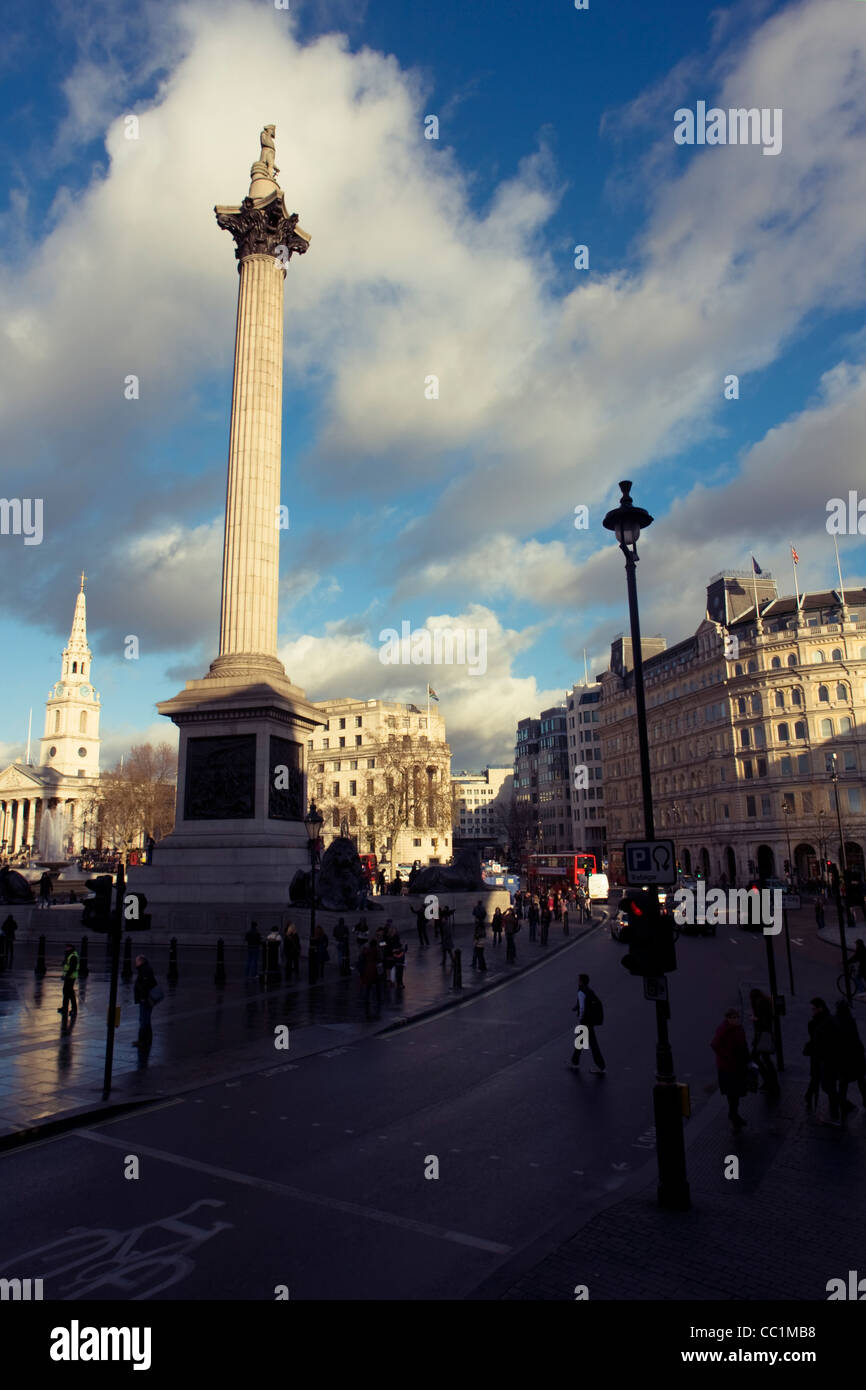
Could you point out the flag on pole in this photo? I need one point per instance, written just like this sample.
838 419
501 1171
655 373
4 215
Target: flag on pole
756 568
794 556
432 694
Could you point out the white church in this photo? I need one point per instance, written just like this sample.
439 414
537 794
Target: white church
46 806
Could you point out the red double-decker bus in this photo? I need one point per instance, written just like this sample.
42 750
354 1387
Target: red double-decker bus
558 870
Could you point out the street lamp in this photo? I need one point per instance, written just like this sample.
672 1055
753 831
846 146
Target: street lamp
627 521
841 877
313 824
788 812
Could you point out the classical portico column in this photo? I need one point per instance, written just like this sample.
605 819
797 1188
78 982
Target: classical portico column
266 237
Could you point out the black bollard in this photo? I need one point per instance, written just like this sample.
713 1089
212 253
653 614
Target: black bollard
313 964
457 981
40 967
126 969
220 972
171 972
83 967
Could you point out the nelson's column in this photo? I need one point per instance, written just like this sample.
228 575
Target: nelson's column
239 836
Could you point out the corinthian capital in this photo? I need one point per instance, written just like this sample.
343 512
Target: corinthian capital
263 228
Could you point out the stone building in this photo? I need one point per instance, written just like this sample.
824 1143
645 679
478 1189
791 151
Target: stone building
481 805
744 718
585 765
542 777
349 759
45 808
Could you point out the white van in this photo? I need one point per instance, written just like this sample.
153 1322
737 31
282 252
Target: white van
597 887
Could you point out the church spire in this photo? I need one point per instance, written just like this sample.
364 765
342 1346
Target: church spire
76 653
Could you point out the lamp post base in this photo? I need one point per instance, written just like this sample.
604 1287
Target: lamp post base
673 1188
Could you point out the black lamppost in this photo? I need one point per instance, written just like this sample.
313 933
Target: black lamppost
627 521
841 877
788 811
313 823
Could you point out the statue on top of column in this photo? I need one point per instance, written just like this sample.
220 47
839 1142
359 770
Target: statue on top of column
268 156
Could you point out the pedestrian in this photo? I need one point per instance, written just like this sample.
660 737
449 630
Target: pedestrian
479 912
480 936
70 975
420 915
9 928
565 919
273 944
852 1059
362 934
381 882
819 913
763 1044
253 938
150 846
292 950
398 956
496 924
143 994
447 938
362 898
858 960
341 936
533 916
321 954
45 890
590 1015
371 969
511 927
823 1052
732 1063
545 923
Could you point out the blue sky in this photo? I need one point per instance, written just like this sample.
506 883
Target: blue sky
452 257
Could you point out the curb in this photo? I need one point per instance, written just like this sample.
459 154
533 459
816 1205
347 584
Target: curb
78 1118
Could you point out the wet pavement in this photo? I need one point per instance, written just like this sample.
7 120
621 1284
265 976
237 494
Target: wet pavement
201 1031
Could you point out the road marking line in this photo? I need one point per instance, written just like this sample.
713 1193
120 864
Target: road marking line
387 1218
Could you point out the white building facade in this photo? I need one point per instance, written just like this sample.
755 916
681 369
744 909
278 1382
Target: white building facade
481 802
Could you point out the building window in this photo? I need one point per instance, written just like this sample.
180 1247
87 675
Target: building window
807 804
358 721
818 657
353 788
780 699
358 738
788 802
747 769
765 806
756 704
371 762
792 659
745 738
750 806
827 728
823 694
762 767
797 697
738 669
741 705
849 762
841 691
783 733
353 765
342 742
800 729
320 767
837 655
804 763
785 766
320 790
325 743
845 725
417 844
853 798
342 723
776 663
752 666
335 787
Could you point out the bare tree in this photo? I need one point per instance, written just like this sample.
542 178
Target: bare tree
411 790
137 798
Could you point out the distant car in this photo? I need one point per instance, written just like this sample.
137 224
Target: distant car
616 925
597 888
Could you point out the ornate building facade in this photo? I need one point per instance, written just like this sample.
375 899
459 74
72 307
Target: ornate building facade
748 720
45 807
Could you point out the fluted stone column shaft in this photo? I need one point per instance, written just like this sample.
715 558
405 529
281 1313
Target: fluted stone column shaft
251 553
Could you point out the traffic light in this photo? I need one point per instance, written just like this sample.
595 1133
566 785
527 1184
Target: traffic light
97 914
134 916
649 934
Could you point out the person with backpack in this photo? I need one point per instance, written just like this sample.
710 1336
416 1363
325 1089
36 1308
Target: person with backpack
70 975
590 1013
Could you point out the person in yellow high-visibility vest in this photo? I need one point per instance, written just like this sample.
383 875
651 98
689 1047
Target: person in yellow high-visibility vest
70 975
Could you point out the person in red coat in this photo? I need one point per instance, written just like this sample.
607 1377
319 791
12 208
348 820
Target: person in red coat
732 1062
